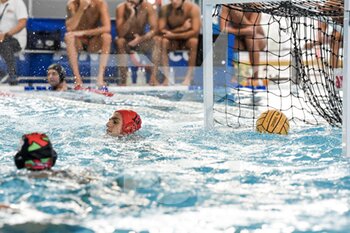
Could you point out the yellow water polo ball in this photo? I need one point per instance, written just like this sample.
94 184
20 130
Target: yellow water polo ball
272 121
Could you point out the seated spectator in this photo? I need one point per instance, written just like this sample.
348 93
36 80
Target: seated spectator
56 77
123 122
88 28
179 25
13 34
335 40
132 18
249 35
36 153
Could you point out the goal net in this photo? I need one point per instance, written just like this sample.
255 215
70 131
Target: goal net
284 55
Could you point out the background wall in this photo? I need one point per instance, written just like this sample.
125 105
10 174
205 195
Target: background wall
57 8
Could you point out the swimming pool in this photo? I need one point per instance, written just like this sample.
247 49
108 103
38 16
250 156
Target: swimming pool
172 176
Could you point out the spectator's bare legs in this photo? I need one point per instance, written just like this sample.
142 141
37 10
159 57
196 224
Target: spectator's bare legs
156 54
321 38
105 49
191 45
122 56
254 46
165 60
335 46
72 51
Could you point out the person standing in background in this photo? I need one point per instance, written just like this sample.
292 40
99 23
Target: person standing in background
13 34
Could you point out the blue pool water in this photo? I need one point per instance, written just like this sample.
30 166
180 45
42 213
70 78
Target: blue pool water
172 176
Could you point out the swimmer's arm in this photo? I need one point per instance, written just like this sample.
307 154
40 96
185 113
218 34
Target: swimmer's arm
74 15
195 28
153 22
123 26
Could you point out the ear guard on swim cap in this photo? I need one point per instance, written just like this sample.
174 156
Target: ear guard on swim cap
60 70
131 121
36 153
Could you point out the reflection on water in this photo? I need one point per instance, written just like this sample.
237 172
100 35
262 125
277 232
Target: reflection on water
172 176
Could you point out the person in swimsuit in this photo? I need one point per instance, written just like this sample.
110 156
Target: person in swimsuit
88 27
179 26
132 19
335 38
249 35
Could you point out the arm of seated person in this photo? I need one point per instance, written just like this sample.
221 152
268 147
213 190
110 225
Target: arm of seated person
74 14
179 33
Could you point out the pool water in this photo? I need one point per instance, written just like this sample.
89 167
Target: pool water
172 175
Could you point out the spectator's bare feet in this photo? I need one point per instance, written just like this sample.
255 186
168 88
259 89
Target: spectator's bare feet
101 83
77 81
165 82
187 81
153 81
233 79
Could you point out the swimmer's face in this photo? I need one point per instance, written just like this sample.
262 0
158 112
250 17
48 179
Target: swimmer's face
53 77
115 124
176 3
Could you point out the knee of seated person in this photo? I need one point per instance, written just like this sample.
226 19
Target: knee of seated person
121 42
193 41
165 42
157 39
68 36
106 37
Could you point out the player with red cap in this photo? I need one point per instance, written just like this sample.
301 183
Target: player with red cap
123 122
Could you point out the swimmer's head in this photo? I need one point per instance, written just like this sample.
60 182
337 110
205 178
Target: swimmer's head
55 75
36 153
123 122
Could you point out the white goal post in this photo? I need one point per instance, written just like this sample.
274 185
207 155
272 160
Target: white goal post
208 66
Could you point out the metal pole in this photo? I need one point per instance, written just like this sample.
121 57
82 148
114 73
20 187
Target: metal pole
30 8
346 82
208 94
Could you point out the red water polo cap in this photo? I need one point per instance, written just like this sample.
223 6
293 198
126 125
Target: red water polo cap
131 121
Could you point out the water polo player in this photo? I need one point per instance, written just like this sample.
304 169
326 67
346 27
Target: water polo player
56 77
123 122
36 153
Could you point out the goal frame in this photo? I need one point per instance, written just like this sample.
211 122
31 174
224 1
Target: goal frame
208 85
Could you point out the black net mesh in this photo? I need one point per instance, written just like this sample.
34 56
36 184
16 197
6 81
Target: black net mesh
278 55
